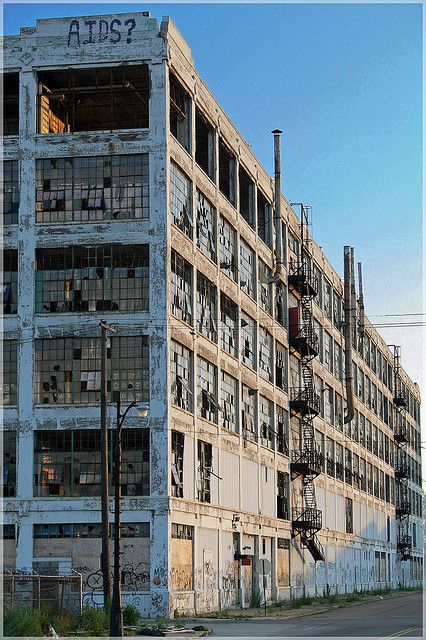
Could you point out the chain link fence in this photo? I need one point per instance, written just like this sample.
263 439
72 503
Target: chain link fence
31 590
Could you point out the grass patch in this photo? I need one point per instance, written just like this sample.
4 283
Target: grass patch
301 602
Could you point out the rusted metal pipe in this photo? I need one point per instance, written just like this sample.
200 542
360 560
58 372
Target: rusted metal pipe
361 302
348 334
278 271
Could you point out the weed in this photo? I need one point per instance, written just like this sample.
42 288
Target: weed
256 601
131 615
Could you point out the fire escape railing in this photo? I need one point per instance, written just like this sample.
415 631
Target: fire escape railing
306 462
402 503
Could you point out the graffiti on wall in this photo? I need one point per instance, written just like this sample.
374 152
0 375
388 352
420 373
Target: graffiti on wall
92 31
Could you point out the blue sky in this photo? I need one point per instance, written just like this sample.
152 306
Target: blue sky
344 83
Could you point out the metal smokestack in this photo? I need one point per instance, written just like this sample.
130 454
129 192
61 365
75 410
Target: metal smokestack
348 254
278 273
361 301
353 299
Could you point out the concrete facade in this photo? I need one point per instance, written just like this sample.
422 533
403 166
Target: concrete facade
221 431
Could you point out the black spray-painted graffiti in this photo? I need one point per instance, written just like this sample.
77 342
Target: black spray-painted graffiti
134 578
92 31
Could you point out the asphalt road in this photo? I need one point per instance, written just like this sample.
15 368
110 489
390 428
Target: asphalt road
396 617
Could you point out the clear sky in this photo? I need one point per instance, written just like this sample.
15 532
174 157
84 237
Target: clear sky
344 83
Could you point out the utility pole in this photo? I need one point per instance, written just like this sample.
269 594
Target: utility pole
105 556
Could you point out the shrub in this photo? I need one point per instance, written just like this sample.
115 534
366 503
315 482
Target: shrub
92 620
256 600
131 615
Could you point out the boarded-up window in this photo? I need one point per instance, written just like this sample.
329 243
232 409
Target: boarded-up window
283 562
182 557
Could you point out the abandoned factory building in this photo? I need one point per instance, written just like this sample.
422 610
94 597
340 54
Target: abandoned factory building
130 197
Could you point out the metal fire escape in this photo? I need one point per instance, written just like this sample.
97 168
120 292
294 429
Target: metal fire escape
402 504
304 401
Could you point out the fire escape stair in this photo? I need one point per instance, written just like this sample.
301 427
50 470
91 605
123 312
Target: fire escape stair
404 546
305 402
314 546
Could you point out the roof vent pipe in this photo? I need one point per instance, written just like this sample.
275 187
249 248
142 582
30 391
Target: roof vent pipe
278 271
348 334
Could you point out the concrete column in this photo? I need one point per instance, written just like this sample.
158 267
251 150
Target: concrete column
158 334
26 257
274 576
24 546
160 564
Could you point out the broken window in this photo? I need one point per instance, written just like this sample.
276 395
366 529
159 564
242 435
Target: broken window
9 381
338 361
362 474
328 308
100 99
227 172
9 464
229 402
330 464
67 463
282 430
246 191
10 104
320 333
248 412
264 219
228 249
228 325
204 144
181 200
339 462
204 471
281 367
81 530
283 496
265 287
293 251
248 341
376 482
207 390
337 311
104 278
206 307
181 288
7 532
368 435
266 420
206 227
281 304
92 188
180 114
320 445
178 440
247 269
375 440
10 282
68 370
328 351
348 466
317 277
355 470
181 376
338 411
10 205
265 354
349 520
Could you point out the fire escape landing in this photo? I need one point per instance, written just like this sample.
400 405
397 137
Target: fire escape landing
304 401
402 503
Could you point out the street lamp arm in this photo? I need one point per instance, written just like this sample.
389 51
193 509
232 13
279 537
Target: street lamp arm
122 416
